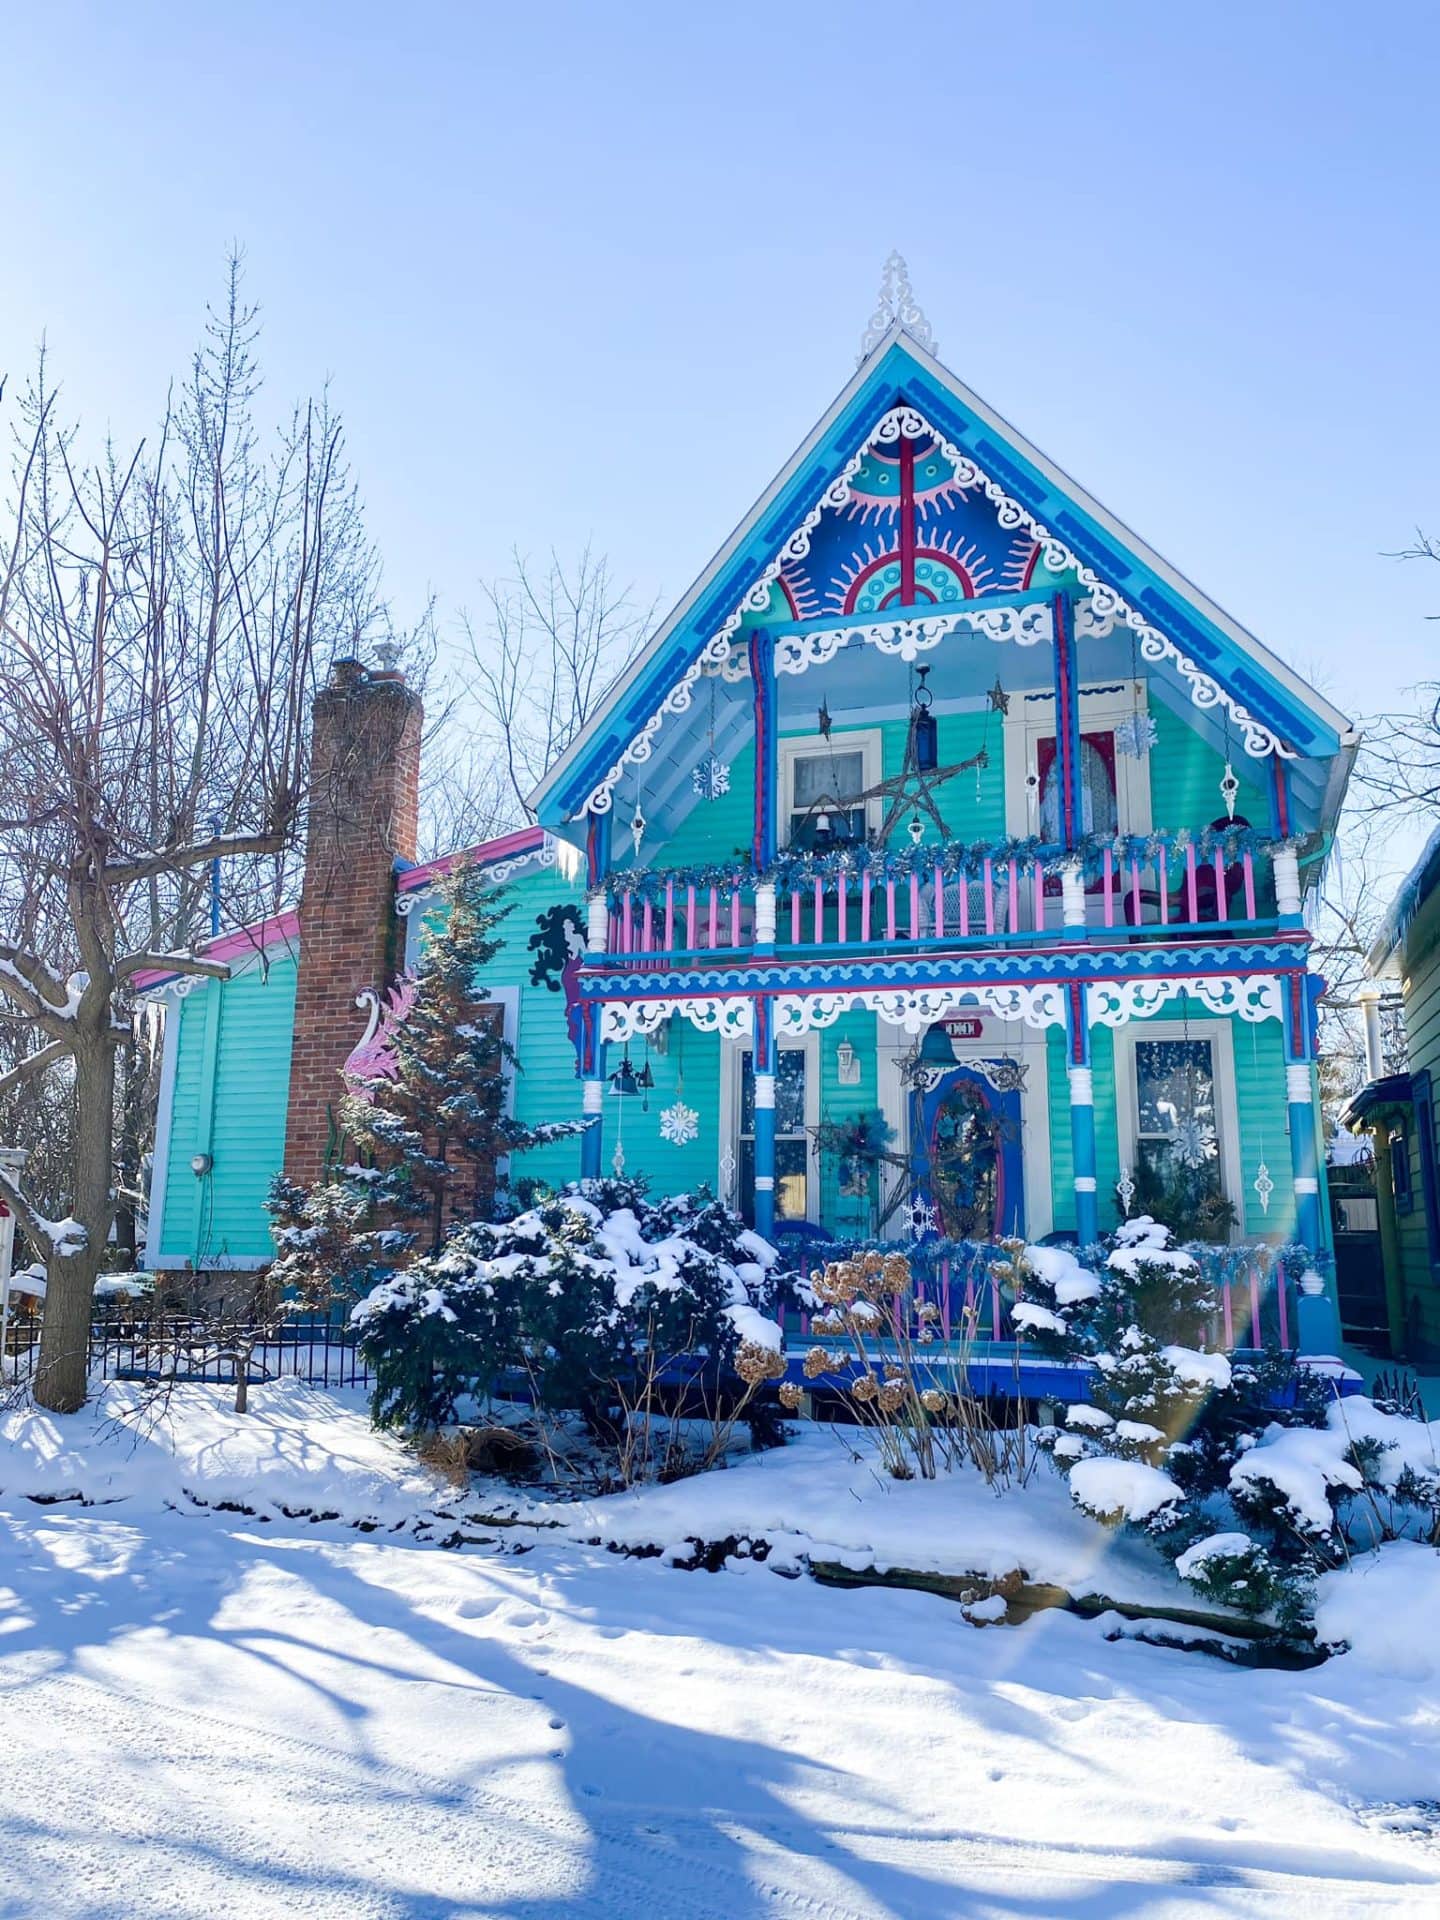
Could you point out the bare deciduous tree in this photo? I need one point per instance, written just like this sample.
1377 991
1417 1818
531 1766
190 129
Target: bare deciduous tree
159 616
553 641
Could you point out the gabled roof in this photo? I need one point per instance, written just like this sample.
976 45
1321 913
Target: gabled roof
901 372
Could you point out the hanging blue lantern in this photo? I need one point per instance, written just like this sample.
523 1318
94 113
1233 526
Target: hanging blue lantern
925 729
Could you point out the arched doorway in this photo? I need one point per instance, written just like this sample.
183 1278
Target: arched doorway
966 1147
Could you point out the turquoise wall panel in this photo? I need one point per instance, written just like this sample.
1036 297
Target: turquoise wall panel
241 1124
1185 774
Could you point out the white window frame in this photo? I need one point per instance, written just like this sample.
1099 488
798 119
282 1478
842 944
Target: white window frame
869 741
730 1079
1221 1037
1028 723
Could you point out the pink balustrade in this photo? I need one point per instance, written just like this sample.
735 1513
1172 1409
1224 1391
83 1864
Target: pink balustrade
1007 901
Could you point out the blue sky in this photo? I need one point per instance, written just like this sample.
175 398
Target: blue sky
591 271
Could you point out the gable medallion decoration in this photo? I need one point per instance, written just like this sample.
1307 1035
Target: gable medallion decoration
1105 609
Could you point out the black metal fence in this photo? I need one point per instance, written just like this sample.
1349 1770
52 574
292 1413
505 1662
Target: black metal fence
129 1346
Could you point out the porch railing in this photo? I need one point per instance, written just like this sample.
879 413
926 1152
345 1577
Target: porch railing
1166 886
1254 1284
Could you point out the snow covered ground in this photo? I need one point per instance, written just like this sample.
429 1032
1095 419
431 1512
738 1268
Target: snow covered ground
204 1712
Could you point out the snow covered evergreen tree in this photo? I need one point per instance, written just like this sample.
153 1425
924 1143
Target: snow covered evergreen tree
424 1143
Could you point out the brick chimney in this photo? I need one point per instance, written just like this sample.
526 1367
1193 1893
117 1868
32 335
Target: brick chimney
363 817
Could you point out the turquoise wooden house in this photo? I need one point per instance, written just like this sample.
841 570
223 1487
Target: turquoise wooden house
936 873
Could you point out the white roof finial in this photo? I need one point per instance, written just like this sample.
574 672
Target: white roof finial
897 302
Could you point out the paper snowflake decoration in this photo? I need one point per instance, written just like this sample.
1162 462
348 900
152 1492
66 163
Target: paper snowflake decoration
1264 1186
679 1124
1193 1143
711 776
1136 735
920 1218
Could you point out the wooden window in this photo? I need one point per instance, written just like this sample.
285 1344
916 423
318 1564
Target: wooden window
792 1140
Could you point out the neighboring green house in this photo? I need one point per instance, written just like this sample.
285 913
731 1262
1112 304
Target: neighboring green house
1397 1110
936 873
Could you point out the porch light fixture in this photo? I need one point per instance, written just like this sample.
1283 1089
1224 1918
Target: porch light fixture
623 1079
823 722
926 729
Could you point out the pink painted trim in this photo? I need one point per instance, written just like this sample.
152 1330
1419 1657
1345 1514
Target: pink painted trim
486 854
245 941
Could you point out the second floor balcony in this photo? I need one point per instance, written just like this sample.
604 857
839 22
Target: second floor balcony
859 901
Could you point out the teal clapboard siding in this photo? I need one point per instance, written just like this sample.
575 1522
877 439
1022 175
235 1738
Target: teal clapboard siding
231 1088
1261 1113
546 1087
1185 775
972 804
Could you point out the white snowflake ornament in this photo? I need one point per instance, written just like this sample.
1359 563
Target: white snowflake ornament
1125 1188
920 1218
679 1124
1136 735
710 777
1193 1143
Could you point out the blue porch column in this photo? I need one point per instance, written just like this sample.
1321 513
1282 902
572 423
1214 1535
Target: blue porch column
1319 1328
764 1059
1082 1114
767 749
1067 722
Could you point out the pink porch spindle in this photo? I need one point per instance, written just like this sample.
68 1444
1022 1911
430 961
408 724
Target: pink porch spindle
627 921
1107 887
1012 878
889 907
939 903
1192 901
714 939
1283 1303
817 913
690 917
795 915
647 928
1164 886
1254 1278
1137 912
735 913
1247 868
945 1297
965 907
842 905
1227 1307
989 871
1222 905
865 907
996 1321
1037 880
914 906
670 916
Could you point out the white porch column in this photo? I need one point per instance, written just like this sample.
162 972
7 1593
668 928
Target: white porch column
765 916
1072 894
597 930
1287 883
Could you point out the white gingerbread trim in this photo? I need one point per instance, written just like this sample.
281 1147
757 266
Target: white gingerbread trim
916 1008
1250 997
628 1019
1105 609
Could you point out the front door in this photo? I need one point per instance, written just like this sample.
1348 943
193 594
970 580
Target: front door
966 1148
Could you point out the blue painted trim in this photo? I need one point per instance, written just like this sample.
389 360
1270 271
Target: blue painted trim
895 377
959 970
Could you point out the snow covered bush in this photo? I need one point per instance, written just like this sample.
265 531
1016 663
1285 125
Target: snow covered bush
595 1300
1145 1322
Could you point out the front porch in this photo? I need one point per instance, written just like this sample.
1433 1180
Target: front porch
949 1100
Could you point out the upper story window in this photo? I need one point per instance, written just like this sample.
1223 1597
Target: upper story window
1099 801
820 786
